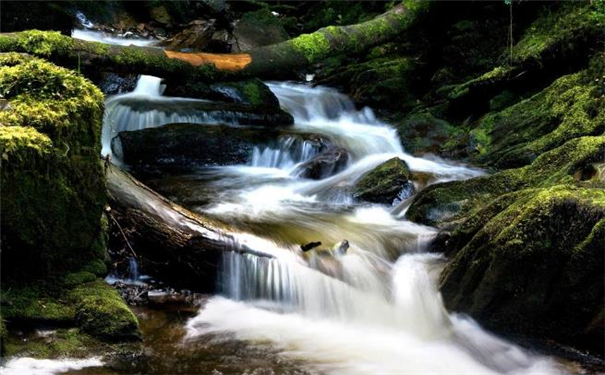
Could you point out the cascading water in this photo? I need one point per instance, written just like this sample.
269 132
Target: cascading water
372 309
146 107
87 33
290 152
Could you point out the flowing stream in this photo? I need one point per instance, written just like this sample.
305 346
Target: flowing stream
374 309
371 308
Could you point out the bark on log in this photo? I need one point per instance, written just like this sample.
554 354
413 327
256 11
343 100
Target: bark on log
265 62
169 241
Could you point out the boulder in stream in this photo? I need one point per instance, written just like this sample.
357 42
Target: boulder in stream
325 164
252 92
385 183
182 145
166 110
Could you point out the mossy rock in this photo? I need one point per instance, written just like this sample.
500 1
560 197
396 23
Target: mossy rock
421 132
385 183
375 82
560 31
531 263
78 299
59 343
560 40
571 107
101 312
252 92
53 187
446 204
41 302
257 29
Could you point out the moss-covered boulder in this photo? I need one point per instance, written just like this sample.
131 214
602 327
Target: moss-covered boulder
100 311
79 300
385 183
446 204
54 231
256 29
53 187
376 82
421 132
531 264
187 145
252 92
560 39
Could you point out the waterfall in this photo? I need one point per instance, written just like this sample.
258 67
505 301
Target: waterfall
132 273
145 107
373 309
290 151
98 36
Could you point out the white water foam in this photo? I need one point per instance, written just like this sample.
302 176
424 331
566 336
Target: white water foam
32 366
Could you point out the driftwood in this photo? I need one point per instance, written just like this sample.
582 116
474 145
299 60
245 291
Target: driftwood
265 62
182 247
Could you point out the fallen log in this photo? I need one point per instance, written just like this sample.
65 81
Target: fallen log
170 242
265 62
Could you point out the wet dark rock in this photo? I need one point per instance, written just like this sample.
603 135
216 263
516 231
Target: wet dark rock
325 164
195 37
385 183
310 246
114 84
252 92
184 145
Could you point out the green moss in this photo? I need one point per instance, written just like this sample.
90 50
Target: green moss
58 343
13 58
18 142
422 132
253 92
554 29
313 47
492 77
571 107
42 302
511 255
50 148
96 267
36 42
100 311
450 202
55 101
74 279
78 299
383 183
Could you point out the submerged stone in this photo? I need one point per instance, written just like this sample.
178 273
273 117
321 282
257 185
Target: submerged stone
325 164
